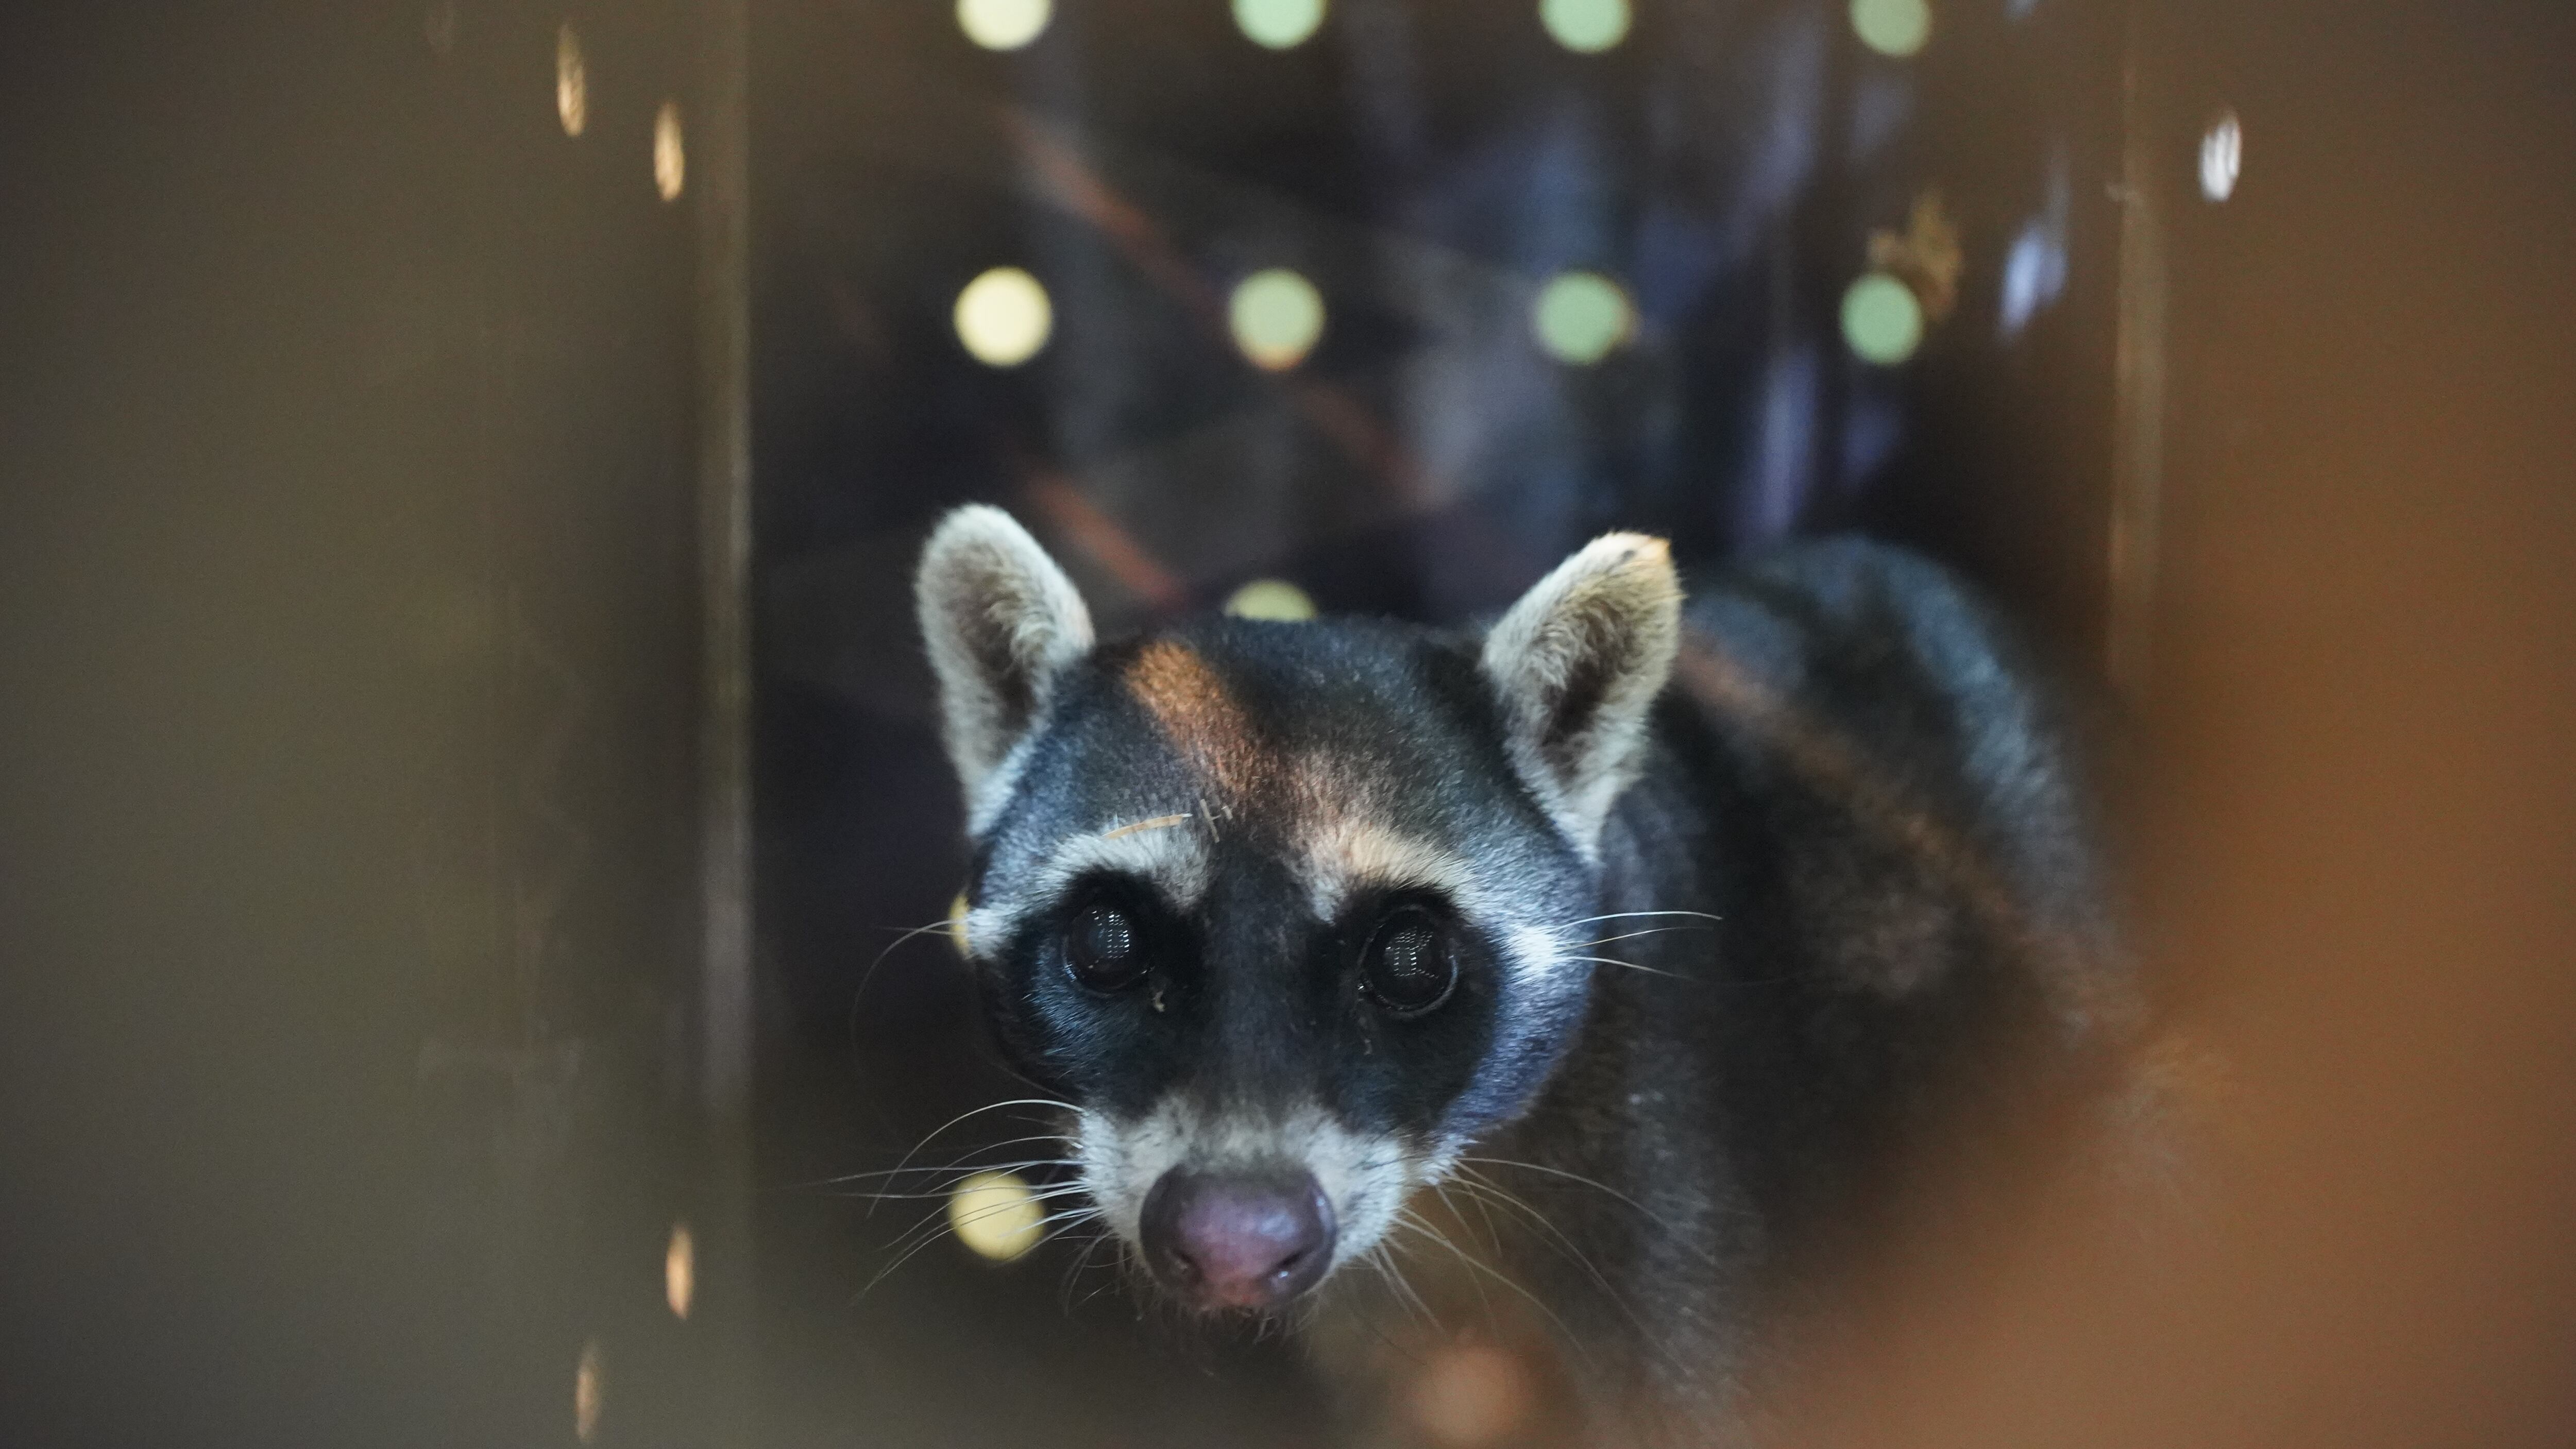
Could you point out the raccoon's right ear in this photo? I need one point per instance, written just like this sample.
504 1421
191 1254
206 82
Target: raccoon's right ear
1576 665
1002 622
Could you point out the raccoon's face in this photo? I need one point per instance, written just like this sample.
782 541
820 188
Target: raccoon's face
1288 912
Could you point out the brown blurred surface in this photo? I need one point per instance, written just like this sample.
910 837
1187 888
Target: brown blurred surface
2357 901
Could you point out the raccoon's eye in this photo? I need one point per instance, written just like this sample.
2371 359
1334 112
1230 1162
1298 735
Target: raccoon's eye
1409 968
1101 948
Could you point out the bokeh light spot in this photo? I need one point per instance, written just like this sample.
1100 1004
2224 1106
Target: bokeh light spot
670 157
1893 27
680 1271
1276 317
2222 156
1581 316
1882 320
589 1391
995 1215
1588 26
1279 24
1275 599
1472 1394
1004 317
572 80
1004 24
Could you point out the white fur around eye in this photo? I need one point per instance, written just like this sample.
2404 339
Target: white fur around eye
1164 852
1344 856
1347 856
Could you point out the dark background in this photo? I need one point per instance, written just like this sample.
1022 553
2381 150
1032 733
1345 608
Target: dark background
354 697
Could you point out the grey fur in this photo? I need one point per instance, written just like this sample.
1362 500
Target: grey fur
1732 941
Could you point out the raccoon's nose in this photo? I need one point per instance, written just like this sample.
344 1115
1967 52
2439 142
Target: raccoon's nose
1238 1239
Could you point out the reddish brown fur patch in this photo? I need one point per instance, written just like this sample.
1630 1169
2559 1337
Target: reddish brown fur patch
1212 734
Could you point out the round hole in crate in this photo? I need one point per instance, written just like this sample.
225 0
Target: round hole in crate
995 1215
1882 319
1587 26
1581 316
670 153
1273 599
1279 24
572 80
1897 28
1004 24
1004 317
1276 317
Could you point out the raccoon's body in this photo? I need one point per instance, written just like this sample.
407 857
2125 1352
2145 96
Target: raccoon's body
1601 962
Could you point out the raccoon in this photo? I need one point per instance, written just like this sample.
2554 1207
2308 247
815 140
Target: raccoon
1602 959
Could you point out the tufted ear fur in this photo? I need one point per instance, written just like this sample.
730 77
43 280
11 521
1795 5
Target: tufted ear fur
1576 665
1002 622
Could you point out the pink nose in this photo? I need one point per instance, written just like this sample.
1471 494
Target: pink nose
1238 1239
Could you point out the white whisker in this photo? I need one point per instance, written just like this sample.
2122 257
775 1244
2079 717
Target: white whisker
1629 915
977 1112
1631 965
1412 1221
1648 931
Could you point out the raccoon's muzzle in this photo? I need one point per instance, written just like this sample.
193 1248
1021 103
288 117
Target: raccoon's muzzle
1238 1240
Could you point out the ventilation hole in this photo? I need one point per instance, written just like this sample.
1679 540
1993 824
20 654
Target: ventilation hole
1585 26
1275 599
1279 24
1581 316
995 1215
1898 28
1004 24
1004 317
1276 317
1882 320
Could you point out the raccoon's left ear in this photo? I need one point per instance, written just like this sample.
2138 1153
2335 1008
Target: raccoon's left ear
1002 622
1576 665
